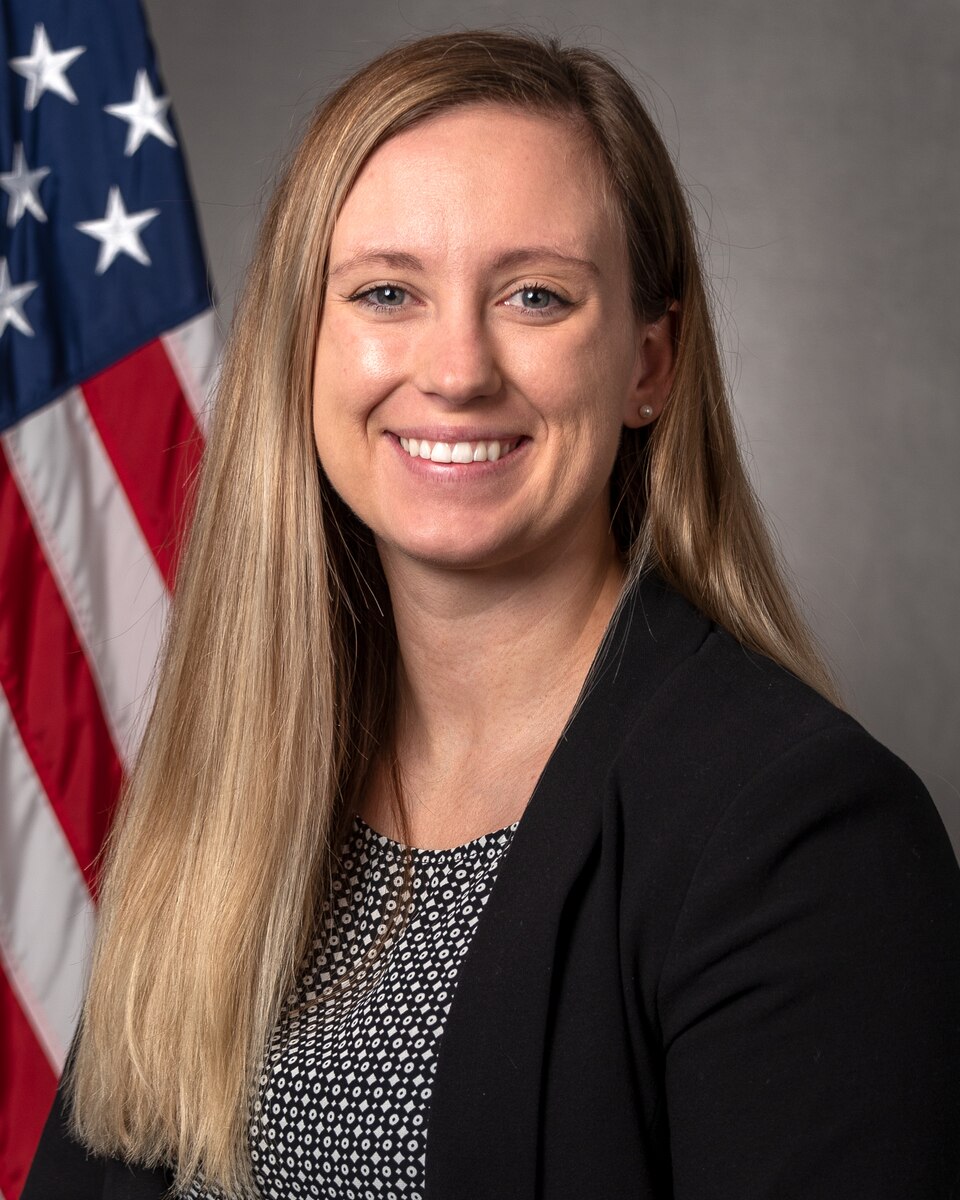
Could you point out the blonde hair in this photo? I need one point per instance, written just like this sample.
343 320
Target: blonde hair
275 692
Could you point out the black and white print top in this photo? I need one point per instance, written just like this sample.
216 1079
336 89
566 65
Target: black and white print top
344 1097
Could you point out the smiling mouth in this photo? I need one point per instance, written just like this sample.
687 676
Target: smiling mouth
459 452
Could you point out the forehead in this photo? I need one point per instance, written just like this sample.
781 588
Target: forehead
478 176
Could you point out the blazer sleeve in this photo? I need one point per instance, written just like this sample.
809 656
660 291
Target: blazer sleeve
810 999
63 1170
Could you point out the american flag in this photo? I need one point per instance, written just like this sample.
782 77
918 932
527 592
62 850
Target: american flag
107 354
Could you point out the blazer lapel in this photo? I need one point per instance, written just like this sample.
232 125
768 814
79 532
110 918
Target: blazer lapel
483 1134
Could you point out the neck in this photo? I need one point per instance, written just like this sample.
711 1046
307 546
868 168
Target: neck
494 659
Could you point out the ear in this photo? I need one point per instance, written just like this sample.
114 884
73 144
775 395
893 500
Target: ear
653 375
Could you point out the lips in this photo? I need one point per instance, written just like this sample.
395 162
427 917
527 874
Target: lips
459 452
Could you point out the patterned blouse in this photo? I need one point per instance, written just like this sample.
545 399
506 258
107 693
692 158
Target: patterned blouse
344 1097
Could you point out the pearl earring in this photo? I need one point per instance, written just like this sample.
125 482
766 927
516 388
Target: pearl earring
645 412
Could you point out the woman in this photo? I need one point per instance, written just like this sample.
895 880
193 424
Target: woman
474 552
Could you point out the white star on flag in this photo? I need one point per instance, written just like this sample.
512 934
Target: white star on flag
146 114
23 185
45 69
119 231
12 298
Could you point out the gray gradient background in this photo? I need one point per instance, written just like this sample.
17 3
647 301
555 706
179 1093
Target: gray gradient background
819 143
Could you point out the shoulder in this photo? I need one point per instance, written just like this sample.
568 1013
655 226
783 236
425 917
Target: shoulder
729 717
733 776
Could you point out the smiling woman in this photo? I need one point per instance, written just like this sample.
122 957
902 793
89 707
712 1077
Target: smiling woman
484 330
496 833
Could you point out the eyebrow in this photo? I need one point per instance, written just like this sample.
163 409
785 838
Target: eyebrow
397 259
400 260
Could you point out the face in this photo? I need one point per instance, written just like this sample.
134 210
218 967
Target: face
478 352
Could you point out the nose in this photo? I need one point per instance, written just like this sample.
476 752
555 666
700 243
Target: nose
456 358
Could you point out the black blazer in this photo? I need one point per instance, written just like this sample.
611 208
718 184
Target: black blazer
721 960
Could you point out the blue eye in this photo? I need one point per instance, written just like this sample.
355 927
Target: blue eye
383 296
536 299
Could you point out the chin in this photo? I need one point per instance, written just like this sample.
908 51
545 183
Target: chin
447 550
453 558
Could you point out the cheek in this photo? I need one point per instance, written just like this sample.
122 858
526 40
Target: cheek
375 361
585 388
340 450
596 357
354 371
322 439
352 356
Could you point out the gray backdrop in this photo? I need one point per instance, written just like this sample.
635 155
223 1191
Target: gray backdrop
818 141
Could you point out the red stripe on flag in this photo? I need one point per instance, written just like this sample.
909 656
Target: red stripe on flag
153 441
49 686
27 1085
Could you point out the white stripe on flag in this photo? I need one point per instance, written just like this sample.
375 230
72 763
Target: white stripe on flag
108 577
46 914
194 352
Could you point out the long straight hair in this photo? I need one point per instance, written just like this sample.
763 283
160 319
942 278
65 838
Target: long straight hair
276 686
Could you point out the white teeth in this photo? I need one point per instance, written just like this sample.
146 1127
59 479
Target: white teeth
458 452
